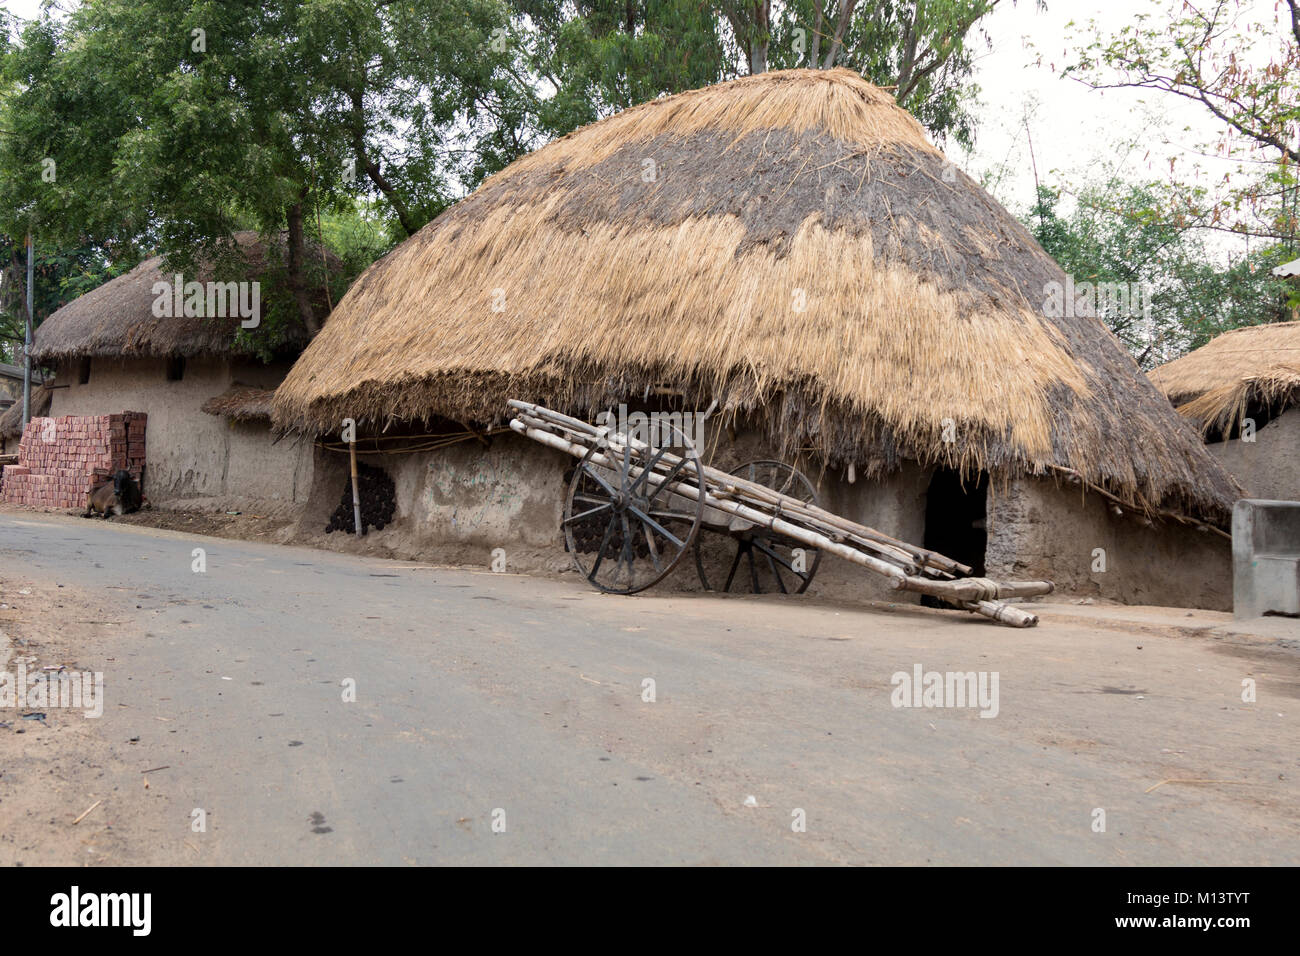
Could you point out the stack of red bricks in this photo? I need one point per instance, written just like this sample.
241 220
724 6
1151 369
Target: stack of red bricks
62 460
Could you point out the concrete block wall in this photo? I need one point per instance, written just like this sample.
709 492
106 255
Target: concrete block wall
1266 558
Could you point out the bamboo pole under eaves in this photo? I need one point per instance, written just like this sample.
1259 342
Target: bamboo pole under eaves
356 492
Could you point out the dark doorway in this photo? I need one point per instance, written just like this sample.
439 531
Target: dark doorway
955 520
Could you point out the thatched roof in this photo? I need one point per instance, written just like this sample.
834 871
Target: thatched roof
241 403
788 243
1252 367
116 319
11 422
16 372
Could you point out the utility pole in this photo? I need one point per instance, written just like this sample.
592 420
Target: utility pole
27 337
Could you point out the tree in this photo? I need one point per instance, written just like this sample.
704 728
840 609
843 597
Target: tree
599 56
175 122
1243 69
59 276
920 49
611 55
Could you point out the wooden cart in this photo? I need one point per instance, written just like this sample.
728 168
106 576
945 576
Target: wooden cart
635 508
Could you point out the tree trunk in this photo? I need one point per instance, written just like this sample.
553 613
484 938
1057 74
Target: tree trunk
761 38
815 52
297 278
371 168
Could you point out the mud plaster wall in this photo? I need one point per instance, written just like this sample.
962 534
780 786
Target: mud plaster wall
193 458
455 505
894 504
1039 530
1268 467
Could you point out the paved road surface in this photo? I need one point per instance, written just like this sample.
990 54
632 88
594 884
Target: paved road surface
479 692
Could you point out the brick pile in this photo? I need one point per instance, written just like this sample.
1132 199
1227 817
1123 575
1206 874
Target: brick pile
62 460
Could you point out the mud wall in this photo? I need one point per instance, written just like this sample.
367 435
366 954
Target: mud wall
1269 466
1038 529
194 459
455 505
894 504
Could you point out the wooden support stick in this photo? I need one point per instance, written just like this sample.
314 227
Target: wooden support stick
356 491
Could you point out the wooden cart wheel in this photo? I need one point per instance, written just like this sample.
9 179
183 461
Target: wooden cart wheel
624 532
754 560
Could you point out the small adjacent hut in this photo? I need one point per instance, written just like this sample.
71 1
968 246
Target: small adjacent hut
793 248
11 419
11 383
114 351
1242 391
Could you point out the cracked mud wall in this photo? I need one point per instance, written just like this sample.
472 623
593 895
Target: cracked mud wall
1038 529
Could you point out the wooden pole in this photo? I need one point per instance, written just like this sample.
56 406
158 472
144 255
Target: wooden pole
27 334
356 492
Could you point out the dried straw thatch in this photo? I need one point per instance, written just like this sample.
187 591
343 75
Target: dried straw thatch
241 403
1254 367
116 319
789 244
11 422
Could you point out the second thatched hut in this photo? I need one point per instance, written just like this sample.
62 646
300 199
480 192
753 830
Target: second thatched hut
171 346
1241 390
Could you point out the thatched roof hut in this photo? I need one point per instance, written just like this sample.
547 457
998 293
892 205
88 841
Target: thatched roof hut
241 403
11 421
1253 367
117 320
789 244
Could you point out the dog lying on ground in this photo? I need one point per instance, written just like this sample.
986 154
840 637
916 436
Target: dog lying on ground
120 497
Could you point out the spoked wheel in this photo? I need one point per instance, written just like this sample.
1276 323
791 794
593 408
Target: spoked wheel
625 532
753 560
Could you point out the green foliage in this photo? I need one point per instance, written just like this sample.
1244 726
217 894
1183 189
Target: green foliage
173 123
922 50
603 56
59 276
599 57
1120 233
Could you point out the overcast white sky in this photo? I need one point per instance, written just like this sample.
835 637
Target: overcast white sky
1075 130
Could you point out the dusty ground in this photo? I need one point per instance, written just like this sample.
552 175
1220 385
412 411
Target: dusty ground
218 524
53 769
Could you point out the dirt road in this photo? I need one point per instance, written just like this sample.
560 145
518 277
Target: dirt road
506 719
